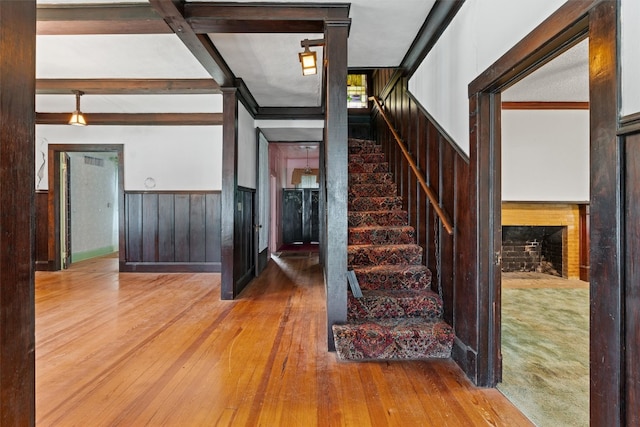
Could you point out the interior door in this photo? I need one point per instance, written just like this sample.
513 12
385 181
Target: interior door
292 216
263 205
300 218
65 211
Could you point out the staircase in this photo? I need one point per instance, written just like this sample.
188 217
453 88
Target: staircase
398 316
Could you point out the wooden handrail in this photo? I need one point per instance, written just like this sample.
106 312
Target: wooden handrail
423 183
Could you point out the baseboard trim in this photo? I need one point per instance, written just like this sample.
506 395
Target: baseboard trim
466 358
170 267
44 266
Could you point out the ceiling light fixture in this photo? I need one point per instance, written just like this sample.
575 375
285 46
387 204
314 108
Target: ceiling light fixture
77 119
308 57
307 170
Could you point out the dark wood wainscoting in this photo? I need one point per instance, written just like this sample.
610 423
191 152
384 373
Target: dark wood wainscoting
631 294
447 170
172 231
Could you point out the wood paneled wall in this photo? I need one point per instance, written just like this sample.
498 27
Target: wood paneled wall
631 177
172 231
450 257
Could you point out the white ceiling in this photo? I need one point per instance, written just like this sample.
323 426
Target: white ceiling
269 65
380 35
565 78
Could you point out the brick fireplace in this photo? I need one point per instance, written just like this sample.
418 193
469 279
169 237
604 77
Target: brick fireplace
533 248
555 224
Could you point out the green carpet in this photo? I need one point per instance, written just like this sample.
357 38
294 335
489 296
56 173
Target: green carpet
545 349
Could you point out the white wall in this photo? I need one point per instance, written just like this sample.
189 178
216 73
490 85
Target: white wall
630 16
481 32
174 157
545 155
246 148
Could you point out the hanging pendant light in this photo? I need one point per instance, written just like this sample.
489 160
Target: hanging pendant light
307 170
308 62
77 119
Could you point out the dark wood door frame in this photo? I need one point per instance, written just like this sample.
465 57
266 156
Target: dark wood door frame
54 196
598 20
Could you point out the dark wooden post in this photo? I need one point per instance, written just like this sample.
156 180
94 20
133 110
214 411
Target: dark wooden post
229 185
17 189
335 151
607 348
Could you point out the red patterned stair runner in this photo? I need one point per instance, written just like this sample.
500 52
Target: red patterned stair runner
398 316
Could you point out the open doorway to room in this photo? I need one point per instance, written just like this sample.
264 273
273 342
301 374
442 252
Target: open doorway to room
86 201
545 193
565 28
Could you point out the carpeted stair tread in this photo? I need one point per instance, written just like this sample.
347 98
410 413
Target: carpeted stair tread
410 338
385 303
371 178
383 254
381 235
364 149
393 277
358 142
377 218
377 167
372 190
367 158
359 204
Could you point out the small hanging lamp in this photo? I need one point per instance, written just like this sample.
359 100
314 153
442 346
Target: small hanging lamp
77 119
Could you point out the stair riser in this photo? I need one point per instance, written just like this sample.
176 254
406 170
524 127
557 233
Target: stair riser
365 149
360 204
382 218
356 142
371 178
371 190
409 278
369 167
427 306
367 158
386 255
381 236
376 342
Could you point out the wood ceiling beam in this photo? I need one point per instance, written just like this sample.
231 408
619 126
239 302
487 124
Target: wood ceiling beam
437 21
199 44
284 113
545 105
135 119
261 18
127 86
99 19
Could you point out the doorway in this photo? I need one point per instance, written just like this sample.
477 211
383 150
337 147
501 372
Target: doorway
562 30
545 181
81 230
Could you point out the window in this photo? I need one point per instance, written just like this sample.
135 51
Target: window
357 91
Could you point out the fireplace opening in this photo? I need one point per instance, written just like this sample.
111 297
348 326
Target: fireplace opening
533 249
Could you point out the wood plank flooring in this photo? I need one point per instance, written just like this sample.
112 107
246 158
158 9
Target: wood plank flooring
142 349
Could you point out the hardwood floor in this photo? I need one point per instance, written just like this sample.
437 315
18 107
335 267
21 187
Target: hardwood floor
135 349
